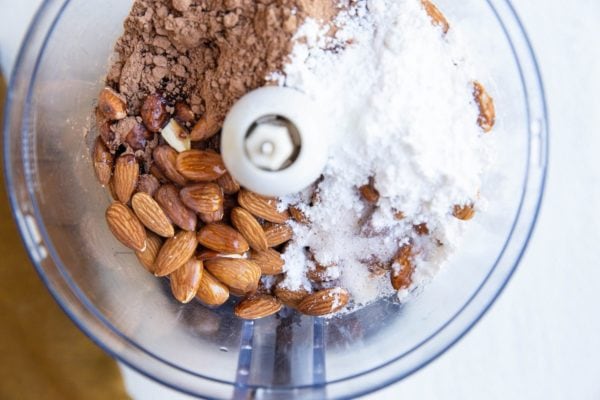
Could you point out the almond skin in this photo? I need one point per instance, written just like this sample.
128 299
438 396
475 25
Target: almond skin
206 127
223 239
183 113
402 269
185 280
138 136
369 193
148 255
126 227
238 274
152 215
165 157
464 212
229 185
324 302
207 254
269 261
103 162
437 18
127 170
256 307
289 297
111 104
262 207
487 110
213 217
175 252
147 183
297 215
204 198
200 165
250 229
211 292
278 234
154 112
167 196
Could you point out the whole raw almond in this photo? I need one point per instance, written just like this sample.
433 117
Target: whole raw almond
229 185
152 215
165 157
183 113
200 165
211 292
127 170
147 183
111 104
204 198
262 207
207 254
269 261
437 18
175 252
324 302
154 112
290 297
167 196
487 110
185 280
402 268
138 136
126 227
250 229
222 238
213 217
206 127
464 212
103 162
278 234
238 274
158 174
147 256
256 307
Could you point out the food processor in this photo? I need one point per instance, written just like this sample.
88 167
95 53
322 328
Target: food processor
59 209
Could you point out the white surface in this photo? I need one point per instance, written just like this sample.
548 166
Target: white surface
541 340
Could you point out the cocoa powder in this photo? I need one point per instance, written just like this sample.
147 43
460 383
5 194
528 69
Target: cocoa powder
207 53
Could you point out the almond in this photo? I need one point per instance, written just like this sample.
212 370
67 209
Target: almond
324 302
158 174
487 110
154 112
369 193
175 252
297 215
421 229
206 127
238 274
207 254
269 261
202 197
147 256
250 229
127 171
320 274
256 307
138 136
402 269
262 207
183 113
176 136
213 217
165 157
290 297
185 280
125 226
222 238
200 165
278 234
211 292
437 18
464 212
103 162
151 215
148 183
111 104
229 185
167 196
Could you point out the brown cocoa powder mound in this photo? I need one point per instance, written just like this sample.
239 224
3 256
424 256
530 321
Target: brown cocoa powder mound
208 53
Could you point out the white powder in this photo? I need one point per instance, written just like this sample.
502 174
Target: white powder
400 106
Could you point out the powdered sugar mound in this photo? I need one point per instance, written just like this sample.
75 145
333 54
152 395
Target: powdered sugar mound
400 105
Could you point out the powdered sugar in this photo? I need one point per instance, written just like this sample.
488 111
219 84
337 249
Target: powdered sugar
399 99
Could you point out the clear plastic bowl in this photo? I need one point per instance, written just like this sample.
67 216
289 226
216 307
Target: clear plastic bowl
59 209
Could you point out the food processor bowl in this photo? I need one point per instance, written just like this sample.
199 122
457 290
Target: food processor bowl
59 208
